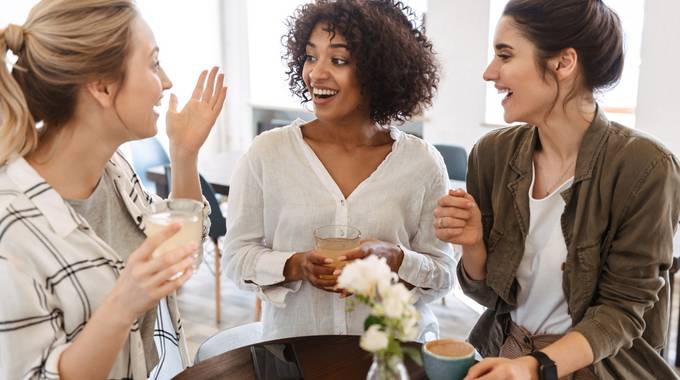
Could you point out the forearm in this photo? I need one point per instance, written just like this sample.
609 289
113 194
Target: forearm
474 261
93 352
185 182
570 353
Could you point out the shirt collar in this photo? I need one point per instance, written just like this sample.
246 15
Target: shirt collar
59 215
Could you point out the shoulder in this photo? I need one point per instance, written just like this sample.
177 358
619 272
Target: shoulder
636 153
276 140
419 153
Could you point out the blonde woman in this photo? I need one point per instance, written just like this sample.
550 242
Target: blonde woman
79 286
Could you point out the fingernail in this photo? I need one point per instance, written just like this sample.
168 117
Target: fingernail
336 272
328 261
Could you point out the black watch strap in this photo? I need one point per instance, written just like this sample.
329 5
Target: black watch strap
546 367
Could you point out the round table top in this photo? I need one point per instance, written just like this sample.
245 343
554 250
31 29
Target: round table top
320 357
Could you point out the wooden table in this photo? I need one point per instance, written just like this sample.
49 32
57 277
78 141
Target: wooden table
320 357
217 169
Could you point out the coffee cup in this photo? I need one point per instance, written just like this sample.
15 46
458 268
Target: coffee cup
447 359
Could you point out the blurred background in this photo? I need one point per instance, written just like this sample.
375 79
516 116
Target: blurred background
244 38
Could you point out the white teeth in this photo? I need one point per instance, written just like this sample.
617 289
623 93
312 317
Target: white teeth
323 91
503 90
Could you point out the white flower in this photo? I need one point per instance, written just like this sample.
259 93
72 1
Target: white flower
374 339
394 299
409 324
366 276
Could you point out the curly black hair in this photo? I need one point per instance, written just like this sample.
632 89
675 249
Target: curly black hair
395 62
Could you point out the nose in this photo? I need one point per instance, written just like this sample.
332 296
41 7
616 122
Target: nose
318 72
165 81
491 72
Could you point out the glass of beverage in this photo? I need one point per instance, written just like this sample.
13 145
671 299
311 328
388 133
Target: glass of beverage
187 212
334 241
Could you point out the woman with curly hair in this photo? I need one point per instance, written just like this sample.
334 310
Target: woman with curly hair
363 64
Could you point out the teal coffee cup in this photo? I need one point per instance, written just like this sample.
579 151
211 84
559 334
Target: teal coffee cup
447 359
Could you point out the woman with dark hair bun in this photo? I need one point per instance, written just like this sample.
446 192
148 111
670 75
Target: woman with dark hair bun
364 65
568 220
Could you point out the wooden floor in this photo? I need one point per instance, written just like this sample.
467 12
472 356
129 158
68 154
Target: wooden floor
197 306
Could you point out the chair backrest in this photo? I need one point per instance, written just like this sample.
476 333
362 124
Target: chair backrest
229 339
455 159
218 223
146 154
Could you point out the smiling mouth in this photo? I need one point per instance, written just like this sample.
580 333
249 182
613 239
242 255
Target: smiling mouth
323 93
508 93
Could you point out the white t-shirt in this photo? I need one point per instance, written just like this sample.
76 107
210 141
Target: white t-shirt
281 192
542 307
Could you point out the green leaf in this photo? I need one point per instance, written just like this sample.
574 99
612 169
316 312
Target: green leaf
373 320
414 354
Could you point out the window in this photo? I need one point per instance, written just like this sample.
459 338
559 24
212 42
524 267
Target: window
619 102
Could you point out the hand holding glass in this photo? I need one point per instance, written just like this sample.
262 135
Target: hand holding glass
186 212
334 241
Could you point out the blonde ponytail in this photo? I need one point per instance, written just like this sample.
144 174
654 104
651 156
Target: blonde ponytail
63 45
18 133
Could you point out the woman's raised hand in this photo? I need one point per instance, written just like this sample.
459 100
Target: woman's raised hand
189 128
147 279
457 219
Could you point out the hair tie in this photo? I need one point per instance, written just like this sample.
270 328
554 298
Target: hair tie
14 38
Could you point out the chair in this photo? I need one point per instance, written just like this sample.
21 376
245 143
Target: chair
146 154
455 159
229 339
218 228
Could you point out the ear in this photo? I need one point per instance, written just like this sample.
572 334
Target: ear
102 91
565 64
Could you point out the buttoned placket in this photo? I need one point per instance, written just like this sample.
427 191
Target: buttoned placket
340 304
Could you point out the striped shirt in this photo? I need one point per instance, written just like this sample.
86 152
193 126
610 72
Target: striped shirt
55 271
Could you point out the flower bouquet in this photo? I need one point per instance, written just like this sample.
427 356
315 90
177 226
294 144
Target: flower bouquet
393 317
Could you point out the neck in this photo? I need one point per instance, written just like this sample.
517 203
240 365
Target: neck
72 159
350 132
563 130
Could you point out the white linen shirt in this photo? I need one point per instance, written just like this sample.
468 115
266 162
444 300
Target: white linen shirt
280 192
55 272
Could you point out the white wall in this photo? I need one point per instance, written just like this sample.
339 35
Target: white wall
459 31
658 109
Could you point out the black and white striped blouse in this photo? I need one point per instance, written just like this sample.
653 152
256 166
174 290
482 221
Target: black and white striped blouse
55 271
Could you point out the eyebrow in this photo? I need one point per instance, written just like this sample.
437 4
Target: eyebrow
500 46
332 46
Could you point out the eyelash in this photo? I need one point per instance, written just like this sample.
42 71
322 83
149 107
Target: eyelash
157 65
335 61
503 57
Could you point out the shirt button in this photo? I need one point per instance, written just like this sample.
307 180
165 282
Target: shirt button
342 202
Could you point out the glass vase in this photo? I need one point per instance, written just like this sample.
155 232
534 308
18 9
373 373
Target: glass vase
387 368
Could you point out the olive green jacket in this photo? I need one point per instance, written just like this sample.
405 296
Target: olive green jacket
618 224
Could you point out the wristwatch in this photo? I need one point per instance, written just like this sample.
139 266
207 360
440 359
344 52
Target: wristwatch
546 367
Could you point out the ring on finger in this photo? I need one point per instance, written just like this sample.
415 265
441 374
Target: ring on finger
441 222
